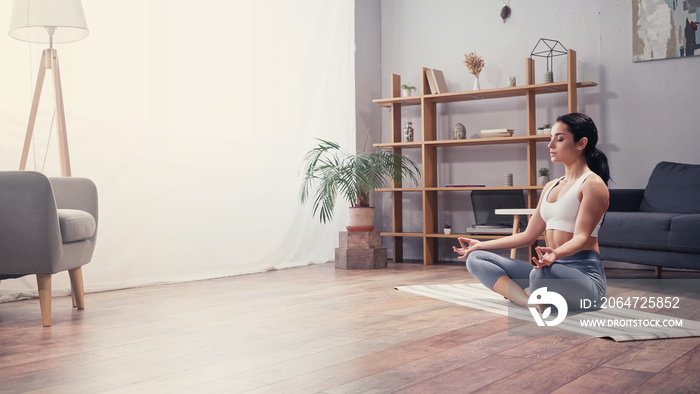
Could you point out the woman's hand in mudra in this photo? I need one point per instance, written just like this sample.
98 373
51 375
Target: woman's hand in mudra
545 257
465 249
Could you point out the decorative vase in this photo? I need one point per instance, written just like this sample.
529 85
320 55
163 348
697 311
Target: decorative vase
408 132
511 81
361 219
548 77
508 179
476 84
459 132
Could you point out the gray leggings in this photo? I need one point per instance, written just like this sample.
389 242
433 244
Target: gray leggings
577 277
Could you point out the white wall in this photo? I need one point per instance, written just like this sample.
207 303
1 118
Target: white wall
645 112
192 117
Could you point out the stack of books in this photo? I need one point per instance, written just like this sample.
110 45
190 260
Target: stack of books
496 133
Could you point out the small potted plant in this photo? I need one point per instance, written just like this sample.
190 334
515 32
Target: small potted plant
544 130
543 176
406 90
448 229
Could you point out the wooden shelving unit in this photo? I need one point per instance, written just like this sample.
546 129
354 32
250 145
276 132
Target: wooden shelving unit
430 144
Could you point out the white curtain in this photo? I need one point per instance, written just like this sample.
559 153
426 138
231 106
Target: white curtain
192 117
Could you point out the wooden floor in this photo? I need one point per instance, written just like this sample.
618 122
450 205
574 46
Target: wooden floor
315 330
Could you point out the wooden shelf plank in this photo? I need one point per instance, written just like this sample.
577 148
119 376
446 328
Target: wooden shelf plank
521 139
485 94
462 189
417 235
399 189
406 145
413 100
473 236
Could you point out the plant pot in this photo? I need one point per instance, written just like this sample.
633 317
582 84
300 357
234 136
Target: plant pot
544 131
542 180
406 92
361 219
448 231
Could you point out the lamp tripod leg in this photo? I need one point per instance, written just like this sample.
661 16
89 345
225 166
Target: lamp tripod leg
32 113
60 117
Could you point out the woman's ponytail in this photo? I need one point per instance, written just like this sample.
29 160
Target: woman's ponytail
598 163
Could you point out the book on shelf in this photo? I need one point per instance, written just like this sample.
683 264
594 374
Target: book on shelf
462 185
439 80
497 133
436 81
432 84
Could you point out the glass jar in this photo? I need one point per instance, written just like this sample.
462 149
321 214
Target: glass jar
408 132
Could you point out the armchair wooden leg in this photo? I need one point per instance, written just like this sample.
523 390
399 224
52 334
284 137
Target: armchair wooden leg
76 286
43 282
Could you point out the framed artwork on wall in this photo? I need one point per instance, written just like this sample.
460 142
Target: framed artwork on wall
664 29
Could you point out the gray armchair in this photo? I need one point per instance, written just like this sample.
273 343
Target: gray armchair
47 225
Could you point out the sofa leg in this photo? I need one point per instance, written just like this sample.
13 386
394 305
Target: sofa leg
76 287
657 271
43 282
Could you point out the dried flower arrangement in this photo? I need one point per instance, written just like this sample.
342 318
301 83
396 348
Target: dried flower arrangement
474 63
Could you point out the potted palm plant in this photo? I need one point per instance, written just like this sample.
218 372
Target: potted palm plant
329 172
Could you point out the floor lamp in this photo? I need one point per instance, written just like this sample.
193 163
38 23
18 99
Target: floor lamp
48 22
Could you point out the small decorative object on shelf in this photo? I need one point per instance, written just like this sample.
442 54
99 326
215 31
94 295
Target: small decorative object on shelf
408 132
496 133
406 90
544 130
511 81
508 179
475 64
459 132
543 176
548 77
448 229
548 49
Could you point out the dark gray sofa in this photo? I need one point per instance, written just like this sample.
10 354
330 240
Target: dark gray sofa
658 225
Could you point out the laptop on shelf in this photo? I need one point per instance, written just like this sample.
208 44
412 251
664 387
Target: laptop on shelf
485 203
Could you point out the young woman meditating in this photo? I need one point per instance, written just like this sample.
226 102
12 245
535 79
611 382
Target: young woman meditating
570 212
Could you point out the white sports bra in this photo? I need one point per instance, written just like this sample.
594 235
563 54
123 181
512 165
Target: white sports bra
561 214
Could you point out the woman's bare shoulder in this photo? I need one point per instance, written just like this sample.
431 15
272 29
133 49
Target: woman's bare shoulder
595 186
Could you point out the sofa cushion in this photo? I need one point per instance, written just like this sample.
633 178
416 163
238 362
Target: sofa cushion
673 187
685 234
636 230
76 225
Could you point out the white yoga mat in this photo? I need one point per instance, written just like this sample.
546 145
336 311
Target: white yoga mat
634 324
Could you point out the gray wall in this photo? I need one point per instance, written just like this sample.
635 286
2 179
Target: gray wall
646 112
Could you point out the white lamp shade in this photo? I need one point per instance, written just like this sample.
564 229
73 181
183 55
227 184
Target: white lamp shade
30 18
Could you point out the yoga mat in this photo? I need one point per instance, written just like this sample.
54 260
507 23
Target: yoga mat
630 324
